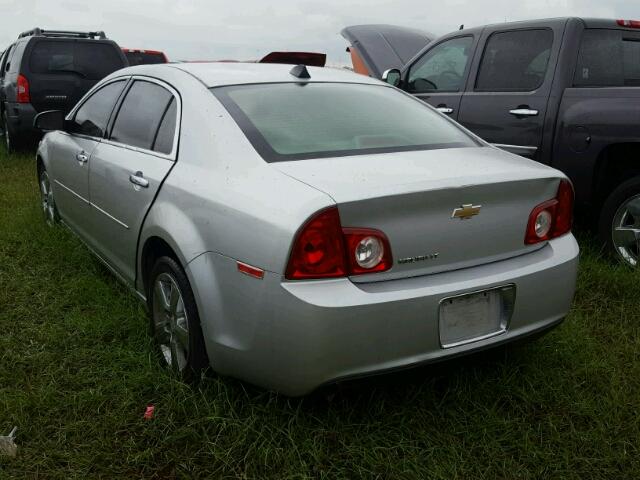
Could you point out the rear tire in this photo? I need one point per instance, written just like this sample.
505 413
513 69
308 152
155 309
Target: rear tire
10 139
174 320
619 225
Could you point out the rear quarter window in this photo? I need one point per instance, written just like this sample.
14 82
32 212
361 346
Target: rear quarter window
87 59
608 58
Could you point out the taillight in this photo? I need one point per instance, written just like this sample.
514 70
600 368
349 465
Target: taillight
629 23
367 250
23 90
552 218
323 249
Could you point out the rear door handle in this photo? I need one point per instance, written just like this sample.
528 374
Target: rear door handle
524 112
139 180
444 109
82 157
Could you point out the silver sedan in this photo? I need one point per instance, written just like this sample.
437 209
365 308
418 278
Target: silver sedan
294 227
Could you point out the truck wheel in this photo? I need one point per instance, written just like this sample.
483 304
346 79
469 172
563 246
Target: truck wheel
619 225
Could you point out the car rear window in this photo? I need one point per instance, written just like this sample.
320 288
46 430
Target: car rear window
90 60
294 121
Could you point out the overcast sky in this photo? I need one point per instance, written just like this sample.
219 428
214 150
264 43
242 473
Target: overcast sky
248 29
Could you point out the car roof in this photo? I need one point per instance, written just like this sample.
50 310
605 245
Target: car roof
217 74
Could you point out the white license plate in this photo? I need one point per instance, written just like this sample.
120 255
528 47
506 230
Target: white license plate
472 317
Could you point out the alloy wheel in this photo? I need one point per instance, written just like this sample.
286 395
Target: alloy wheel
626 231
171 327
46 198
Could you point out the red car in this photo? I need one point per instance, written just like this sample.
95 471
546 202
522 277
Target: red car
144 57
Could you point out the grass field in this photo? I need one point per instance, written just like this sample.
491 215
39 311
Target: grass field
77 371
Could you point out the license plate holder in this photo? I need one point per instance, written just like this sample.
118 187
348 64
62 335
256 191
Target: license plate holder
475 316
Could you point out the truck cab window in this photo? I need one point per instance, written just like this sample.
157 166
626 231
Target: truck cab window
608 58
441 68
515 61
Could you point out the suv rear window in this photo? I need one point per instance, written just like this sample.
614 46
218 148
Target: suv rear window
90 60
608 58
290 121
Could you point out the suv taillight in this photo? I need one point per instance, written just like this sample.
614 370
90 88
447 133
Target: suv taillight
629 23
552 218
323 249
22 89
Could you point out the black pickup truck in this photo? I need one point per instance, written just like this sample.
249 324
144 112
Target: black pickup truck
564 91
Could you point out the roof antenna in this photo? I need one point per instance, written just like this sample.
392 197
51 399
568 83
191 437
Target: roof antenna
300 71
461 27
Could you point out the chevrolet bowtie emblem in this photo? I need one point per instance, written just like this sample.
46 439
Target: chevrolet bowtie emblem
465 212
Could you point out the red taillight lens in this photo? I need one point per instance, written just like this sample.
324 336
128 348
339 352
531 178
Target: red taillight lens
323 249
629 23
552 218
23 90
318 250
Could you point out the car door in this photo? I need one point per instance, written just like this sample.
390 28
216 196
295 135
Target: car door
438 76
72 151
128 168
510 85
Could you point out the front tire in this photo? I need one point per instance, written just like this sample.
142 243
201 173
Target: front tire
175 323
619 225
47 201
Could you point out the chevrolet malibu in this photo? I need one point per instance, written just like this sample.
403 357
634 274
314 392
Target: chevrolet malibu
294 227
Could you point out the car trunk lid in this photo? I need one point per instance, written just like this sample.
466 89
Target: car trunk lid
441 209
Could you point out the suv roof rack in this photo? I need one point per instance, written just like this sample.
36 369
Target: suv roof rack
39 32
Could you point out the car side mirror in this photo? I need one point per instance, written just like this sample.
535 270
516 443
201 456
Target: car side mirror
392 76
49 121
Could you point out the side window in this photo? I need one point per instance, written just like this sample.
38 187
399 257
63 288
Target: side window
140 115
515 61
167 130
5 61
15 57
92 117
441 68
608 59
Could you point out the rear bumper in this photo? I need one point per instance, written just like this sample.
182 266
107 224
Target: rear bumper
296 336
20 118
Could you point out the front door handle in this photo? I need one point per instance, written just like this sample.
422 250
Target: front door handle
524 112
444 109
139 180
82 157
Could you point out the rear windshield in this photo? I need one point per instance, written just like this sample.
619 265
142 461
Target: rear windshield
90 60
291 121
144 58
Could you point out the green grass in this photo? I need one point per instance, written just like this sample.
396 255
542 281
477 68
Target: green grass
77 371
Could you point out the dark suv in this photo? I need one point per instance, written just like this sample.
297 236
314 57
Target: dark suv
50 70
